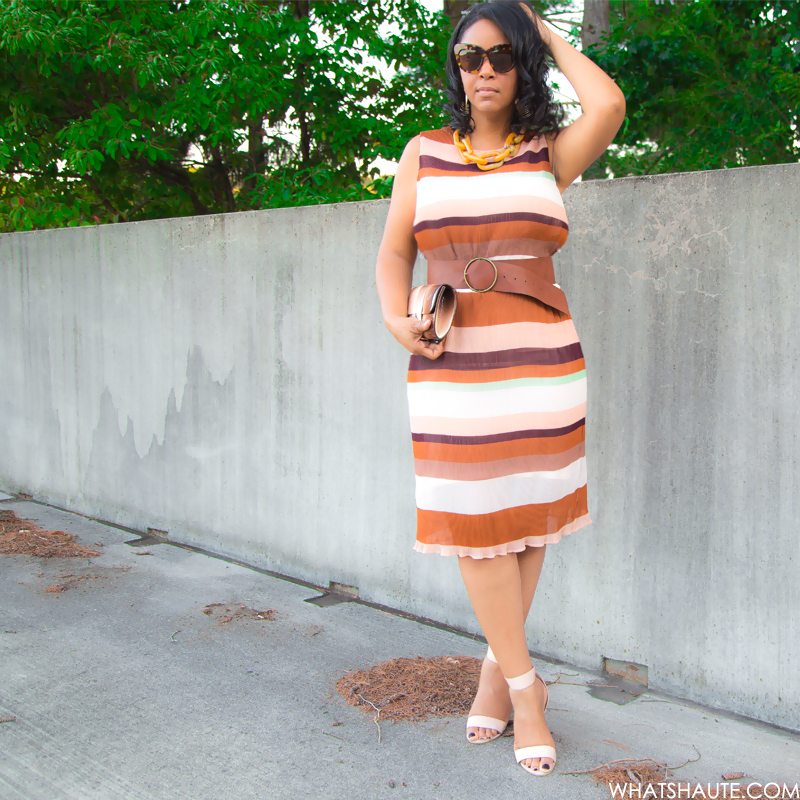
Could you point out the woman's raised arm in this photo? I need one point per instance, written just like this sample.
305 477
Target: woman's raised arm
580 144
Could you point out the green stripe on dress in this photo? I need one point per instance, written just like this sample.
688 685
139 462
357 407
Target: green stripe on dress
512 383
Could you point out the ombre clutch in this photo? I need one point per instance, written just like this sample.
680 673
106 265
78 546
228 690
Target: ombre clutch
435 302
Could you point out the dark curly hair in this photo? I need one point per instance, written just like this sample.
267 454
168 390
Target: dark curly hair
535 108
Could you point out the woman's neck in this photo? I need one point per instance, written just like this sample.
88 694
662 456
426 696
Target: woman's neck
489 133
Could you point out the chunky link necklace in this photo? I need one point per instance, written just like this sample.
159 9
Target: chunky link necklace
492 158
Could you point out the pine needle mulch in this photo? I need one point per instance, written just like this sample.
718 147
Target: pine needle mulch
636 774
647 778
224 614
413 689
23 537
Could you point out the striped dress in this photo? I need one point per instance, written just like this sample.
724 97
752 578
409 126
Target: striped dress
497 421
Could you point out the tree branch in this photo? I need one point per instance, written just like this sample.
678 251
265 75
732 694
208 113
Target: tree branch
175 176
104 200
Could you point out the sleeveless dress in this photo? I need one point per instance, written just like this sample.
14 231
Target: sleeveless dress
498 420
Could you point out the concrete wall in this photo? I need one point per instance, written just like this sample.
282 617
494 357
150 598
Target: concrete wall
229 379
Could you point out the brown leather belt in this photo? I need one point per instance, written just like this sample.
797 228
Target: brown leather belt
531 276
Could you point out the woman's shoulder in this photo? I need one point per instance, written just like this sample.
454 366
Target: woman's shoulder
549 138
418 144
444 134
544 140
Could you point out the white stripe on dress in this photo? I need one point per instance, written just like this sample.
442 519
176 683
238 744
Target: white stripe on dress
429 402
489 426
496 494
441 188
511 335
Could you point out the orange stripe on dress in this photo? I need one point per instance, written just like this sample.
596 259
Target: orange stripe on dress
485 470
485 530
493 451
494 308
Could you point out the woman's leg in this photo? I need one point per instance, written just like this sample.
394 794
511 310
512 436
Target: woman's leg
492 698
530 568
501 590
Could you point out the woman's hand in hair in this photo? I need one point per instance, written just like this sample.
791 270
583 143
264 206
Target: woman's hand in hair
544 32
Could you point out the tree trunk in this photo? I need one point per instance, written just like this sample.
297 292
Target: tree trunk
595 22
454 9
301 10
256 155
222 181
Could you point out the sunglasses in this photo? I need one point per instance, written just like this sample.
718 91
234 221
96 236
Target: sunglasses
470 57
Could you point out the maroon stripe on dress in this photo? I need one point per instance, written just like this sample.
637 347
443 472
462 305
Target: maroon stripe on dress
497 437
521 357
488 219
529 157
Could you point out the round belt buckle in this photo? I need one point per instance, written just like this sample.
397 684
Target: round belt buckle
466 279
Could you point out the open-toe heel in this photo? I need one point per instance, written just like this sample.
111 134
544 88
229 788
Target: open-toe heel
479 721
538 750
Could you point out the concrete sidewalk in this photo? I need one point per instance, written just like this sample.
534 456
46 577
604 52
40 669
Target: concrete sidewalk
123 688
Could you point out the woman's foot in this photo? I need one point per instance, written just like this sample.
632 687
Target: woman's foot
491 700
530 728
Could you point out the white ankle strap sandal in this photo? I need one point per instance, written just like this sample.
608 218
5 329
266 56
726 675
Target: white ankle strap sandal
538 750
478 721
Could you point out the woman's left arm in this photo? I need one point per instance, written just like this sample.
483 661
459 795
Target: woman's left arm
580 144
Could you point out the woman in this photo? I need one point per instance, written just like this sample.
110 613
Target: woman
498 408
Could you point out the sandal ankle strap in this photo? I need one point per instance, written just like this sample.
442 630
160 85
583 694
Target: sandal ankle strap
522 681
490 655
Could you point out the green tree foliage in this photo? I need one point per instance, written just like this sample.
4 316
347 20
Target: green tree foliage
121 110
709 84
118 111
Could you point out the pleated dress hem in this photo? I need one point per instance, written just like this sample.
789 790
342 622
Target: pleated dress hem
517 546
